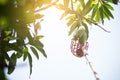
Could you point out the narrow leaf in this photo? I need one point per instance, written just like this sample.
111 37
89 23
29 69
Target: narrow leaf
30 63
108 6
95 9
87 7
83 38
86 29
82 3
12 63
37 27
39 37
115 1
82 35
97 16
73 27
108 11
101 14
42 51
25 52
34 52
36 43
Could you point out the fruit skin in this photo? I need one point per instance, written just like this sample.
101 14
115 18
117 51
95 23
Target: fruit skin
79 53
79 50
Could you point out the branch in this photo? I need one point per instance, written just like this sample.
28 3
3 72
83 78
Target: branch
92 22
74 12
91 67
41 9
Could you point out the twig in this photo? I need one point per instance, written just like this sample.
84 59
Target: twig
91 67
72 11
97 25
41 9
92 22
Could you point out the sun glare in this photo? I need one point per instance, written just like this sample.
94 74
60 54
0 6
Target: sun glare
52 21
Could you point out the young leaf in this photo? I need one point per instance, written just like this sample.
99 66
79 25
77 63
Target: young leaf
34 52
73 27
70 19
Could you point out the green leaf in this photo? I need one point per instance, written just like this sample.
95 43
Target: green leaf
73 27
39 37
12 63
108 11
82 36
34 52
79 10
6 56
37 27
36 43
8 33
106 15
97 16
25 52
19 55
70 19
78 34
94 12
86 29
82 3
101 14
115 1
42 51
87 7
30 63
108 6
39 46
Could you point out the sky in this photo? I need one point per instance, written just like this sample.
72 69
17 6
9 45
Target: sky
103 53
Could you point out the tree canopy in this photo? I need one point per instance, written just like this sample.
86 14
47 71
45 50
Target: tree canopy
19 17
